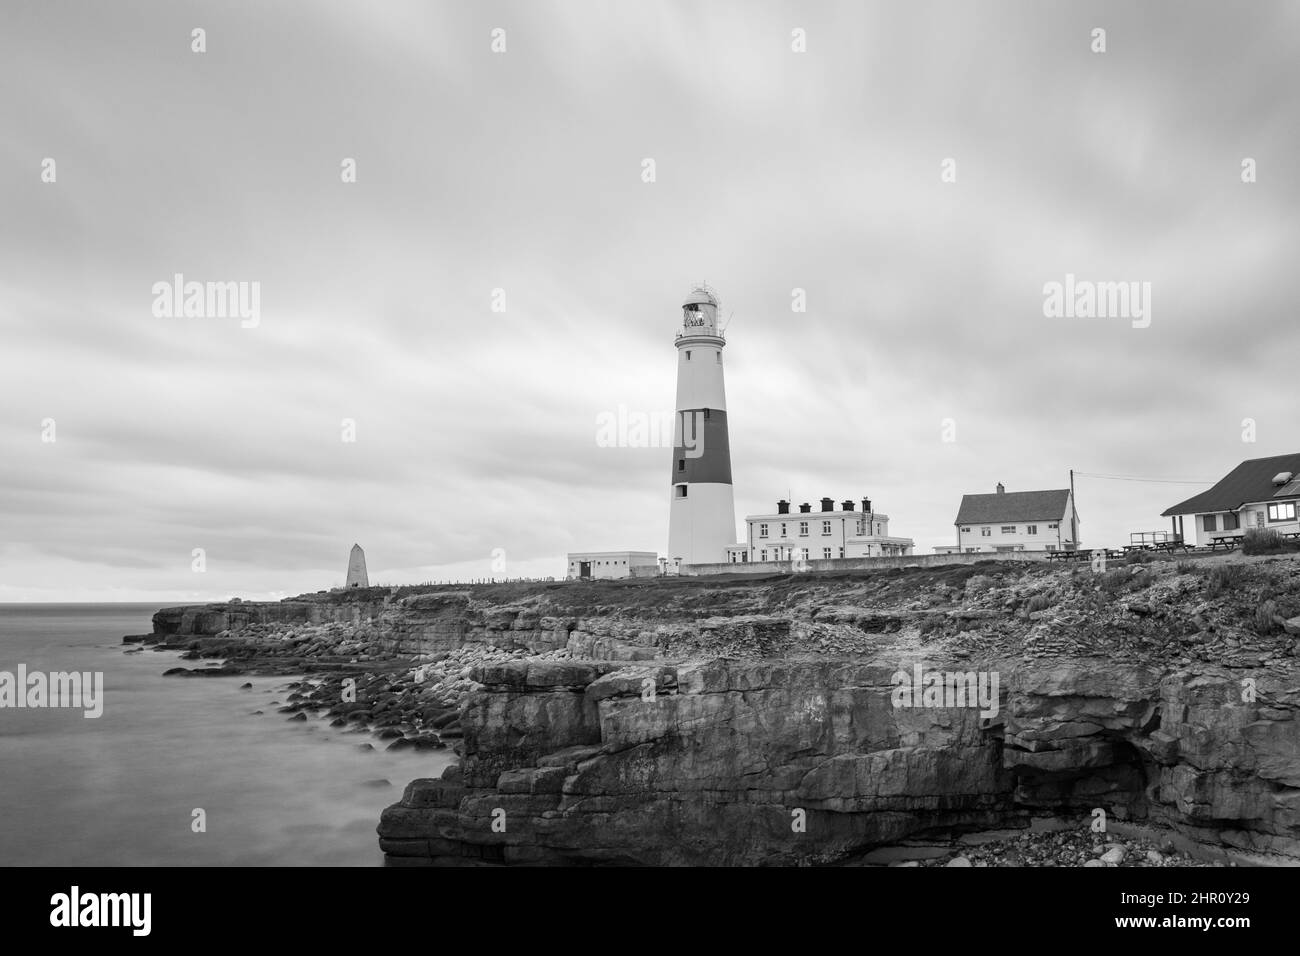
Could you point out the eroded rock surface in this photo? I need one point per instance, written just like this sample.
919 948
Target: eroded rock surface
768 753
751 721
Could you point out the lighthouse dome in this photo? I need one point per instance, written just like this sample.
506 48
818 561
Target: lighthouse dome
701 296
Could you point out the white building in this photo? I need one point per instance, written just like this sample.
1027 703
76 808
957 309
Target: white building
1017 521
702 506
851 532
612 564
1259 493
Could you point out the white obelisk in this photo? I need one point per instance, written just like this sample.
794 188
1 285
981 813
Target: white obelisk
357 577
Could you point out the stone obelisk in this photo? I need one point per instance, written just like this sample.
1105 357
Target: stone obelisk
357 577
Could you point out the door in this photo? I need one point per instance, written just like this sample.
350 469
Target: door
584 569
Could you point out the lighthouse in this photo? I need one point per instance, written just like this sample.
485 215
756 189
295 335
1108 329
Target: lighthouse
702 510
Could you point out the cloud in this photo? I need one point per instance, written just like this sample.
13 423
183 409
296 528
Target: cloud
475 429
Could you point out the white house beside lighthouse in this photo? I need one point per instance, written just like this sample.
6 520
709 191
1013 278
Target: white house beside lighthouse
702 509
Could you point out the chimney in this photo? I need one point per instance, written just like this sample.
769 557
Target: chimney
805 508
1001 489
828 504
866 505
783 507
846 505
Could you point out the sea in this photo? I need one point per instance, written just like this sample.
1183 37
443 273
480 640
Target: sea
124 789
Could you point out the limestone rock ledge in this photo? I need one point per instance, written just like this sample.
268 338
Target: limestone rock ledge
788 762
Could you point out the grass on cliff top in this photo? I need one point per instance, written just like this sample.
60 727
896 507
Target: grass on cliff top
899 582
1222 578
696 595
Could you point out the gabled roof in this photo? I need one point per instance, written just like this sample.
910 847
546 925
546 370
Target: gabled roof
1013 506
1250 481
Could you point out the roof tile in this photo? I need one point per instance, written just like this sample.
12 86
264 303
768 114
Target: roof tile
1013 506
1250 481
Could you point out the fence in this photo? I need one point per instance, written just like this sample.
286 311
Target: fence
860 564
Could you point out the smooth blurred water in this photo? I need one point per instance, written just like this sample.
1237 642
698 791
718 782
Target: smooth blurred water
120 789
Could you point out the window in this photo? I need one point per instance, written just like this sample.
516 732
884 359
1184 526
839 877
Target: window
688 355
681 464
1284 511
1051 547
803 529
1053 526
877 529
1209 523
841 552
718 356
762 531
681 491
1231 522
826 553
1031 529
965 530
762 555
1008 529
826 527
782 530
972 550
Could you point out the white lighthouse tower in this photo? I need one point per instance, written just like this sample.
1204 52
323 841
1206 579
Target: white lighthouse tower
702 513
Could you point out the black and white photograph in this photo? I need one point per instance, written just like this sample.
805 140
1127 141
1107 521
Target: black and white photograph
530 437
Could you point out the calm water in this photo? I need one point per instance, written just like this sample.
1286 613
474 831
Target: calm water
120 789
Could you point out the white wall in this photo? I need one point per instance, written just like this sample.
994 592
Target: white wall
1046 535
611 564
844 534
1194 525
703 524
699 378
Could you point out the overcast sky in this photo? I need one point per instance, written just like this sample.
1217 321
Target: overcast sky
523 171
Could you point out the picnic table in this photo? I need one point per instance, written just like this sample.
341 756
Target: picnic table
1168 547
1229 541
1081 554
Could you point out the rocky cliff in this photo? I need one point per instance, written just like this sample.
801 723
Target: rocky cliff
758 720
768 729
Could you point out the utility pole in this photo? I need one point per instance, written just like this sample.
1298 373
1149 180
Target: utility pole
1074 513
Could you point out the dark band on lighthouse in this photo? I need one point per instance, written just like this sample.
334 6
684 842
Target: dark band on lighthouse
702 451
